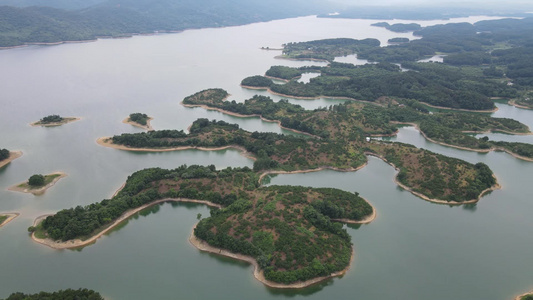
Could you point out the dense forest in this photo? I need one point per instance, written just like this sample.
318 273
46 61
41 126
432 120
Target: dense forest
139 118
435 84
368 119
343 151
289 230
68 294
398 27
51 119
114 18
482 60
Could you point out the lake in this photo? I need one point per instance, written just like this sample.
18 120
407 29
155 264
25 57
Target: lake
413 250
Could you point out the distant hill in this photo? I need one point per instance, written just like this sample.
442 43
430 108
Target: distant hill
36 24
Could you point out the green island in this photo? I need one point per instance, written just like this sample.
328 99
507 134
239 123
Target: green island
80 294
288 230
398 27
488 59
343 121
54 120
139 120
37 184
7 156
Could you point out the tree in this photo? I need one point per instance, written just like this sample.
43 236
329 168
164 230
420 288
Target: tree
36 180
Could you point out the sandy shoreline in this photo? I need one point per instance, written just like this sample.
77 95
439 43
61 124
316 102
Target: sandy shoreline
65 121
39 191
519 297
513 103
258 274
466 148
310 170
77 243
461 109
12 156
10 217
301 59
105 141
148 126
424 197
248 116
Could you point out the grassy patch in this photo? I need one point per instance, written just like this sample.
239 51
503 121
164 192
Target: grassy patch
47 180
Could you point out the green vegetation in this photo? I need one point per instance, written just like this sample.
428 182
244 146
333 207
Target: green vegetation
2 219
139 118
436 176
37 24
483 60
282 72
327 49
273 151
332 122
398 40
435 84
399 27
80 294
36 180
257 81
526 100
527 297
51 119
4 154
289 230
344 150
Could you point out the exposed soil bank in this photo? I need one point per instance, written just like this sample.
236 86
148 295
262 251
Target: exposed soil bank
10 217
12 156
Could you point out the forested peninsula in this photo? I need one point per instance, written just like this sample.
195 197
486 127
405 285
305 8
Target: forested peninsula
288 230
377 119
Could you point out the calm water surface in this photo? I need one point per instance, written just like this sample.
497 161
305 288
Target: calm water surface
413 250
